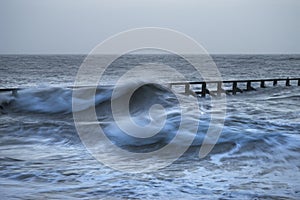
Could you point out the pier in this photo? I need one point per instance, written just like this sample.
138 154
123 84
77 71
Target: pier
235 88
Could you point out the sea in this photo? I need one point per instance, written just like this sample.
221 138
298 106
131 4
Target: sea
42 155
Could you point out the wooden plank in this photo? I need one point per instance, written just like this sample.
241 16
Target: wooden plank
8 89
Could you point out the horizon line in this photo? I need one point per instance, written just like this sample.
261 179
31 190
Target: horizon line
214 53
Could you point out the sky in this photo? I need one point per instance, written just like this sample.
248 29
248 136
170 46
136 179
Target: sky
220 26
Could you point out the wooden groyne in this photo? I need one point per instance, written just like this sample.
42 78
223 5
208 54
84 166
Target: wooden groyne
189 90
14 91
189 87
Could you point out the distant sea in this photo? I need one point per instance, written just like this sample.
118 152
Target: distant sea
256 157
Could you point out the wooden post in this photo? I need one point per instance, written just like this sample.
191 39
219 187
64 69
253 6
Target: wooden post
14 92
219 88
274 82
234 87
262 84
203 92
287 83
187 89
249 86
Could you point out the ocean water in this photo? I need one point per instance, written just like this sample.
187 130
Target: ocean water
256 157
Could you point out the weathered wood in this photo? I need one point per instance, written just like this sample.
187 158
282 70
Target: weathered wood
287 83
203 91
187 88
14 91
9 89
262 84
238 81
249 87
219 88
234 87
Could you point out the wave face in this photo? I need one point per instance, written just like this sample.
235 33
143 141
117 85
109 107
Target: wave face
256 156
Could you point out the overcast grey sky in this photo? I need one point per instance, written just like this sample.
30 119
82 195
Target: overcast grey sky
221 26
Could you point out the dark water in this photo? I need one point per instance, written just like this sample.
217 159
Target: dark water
42 156
60 70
